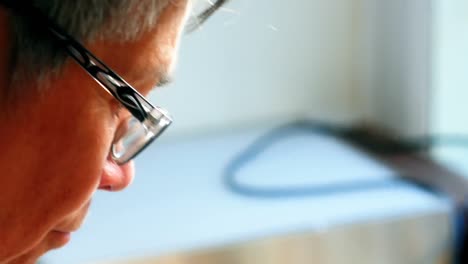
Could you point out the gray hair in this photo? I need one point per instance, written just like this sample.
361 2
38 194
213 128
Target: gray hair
35 56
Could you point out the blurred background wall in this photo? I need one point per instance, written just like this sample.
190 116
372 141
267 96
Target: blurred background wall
396 50
397 64
267 60
450 68
450 77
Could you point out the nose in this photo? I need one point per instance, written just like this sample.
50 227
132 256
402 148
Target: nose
116 177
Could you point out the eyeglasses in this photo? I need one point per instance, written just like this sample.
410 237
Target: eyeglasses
146 121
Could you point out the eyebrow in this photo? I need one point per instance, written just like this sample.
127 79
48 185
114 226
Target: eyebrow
159 77
164 79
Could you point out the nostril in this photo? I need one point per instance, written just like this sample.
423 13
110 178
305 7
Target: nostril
115 177
106 188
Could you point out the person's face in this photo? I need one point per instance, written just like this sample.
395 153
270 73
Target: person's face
55 144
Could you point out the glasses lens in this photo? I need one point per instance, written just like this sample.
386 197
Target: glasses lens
135 135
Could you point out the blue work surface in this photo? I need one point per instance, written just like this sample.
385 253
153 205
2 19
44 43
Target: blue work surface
179 201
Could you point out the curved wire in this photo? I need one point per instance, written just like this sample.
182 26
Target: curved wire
259 146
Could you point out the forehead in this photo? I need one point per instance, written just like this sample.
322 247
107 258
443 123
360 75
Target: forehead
147 60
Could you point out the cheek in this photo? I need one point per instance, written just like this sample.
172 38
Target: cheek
56 163
75 159
75 140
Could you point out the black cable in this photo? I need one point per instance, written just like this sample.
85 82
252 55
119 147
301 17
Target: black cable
264 142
